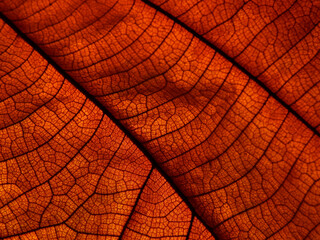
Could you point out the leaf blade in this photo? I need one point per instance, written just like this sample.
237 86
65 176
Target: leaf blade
65 165
243 109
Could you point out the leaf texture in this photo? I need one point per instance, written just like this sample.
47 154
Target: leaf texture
220 130
67 171
276 41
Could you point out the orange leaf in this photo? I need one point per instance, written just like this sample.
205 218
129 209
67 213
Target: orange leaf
163 119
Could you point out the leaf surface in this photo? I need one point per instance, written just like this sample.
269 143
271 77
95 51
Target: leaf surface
162 134
67 171
276 41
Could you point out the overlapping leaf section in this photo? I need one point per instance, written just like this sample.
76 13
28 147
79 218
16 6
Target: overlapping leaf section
66 170
276 41
247 165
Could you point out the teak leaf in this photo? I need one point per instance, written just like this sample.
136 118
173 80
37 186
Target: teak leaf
159 119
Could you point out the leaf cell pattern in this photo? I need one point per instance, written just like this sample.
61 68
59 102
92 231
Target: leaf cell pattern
164 119
275 41
67 171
